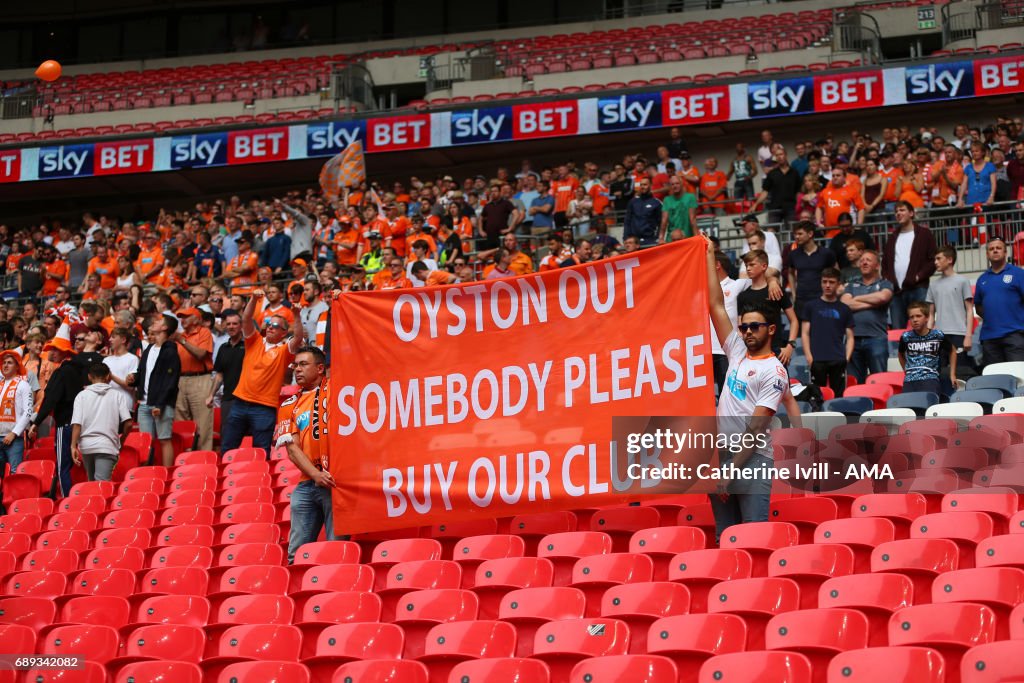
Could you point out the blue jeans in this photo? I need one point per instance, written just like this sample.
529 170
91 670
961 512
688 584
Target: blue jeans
311 510
870 355
899 303
247 418
12 455
748 499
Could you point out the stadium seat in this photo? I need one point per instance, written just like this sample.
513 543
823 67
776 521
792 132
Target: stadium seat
389 553
100 643
334 578
265 642
822 422
42 507
891 417
471 551
324 609
1004 383
991 663
900 510
36 584
893 664
850 407
91 672
641 604
662 543
1015 369
805 513
689 640
1001 551
919 559
419 611
341 643
183 672
33 613
951 629
448 644
26 524
879 394
596 573
320 552
810 566
16 543
635 668
264 672
534 527
418 575
700 516
958 409
382 671
621 522
73 540
760 539
59 560
136 538
450 533
494 578
818 634
757 667
966 529
700 570
528 608
563 644
999 588
563 549
162 642
249 580
756 600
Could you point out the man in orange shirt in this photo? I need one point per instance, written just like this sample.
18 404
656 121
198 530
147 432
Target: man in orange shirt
416 233
195 351
242 269
274 304
55 271
348 240
257 396
300 269
689 173
714 185
151 258
836 199
564 189
398 226
105 267
302 431
947 174
392 277
891 168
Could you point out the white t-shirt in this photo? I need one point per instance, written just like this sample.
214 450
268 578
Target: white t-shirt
731 290
121 367
904 244
148 370
771 246
749 383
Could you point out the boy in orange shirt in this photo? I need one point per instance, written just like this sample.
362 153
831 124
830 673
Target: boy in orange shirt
55 271
105 268
836 199
151 258
714 185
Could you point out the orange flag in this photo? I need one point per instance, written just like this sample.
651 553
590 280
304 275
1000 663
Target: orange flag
345 169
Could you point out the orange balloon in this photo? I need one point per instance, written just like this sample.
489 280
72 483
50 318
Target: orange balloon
49 70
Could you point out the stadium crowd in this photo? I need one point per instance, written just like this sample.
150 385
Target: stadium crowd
219 307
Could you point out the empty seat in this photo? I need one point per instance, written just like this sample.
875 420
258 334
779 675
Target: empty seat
534 527
991 663
756 600
662 543
494 578
1000 551
36 584
419 575
451 643
893 664
564 549
805 513
818 634
100 643
689 640
342 643
999 504
622 522
966 529
470 552
810 566
389 553
266 642
900 510
700 570
333 577
760 539
174 642
999 588
419 611
951 629
877 596
594 574
919 559
528 608
860 535
179 672
641 604
382 671
563 644
264 672
634 668
777 667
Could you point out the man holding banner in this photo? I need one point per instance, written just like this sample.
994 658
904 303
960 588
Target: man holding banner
755 384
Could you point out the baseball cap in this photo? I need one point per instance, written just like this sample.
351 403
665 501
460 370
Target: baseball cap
186 312
926 136
750 218
299 262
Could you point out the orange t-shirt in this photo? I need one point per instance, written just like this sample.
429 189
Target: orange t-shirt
150 262
167 279
107 270
12 262
263 371
247 264
383 280
599 194
439 277
429 239
56 267
190 365
836 201
940 188
345 255
396 233
691 179
714 186
304 416
563 190
893 174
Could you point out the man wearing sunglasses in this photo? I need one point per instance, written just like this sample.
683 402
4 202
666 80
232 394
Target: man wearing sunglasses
755 384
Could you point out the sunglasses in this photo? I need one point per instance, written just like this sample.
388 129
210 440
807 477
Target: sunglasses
79 339
216 300
752 327
279 326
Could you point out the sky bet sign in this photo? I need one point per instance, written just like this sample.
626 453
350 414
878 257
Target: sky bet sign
701 104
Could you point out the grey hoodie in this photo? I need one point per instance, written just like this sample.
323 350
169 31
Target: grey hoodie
100 411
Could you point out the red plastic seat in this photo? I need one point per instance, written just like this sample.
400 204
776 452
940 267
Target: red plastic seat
392 552
245 494
264 672
892 664
261 532
494 578
340 607
991 663
341 643
117 557
1000 551
126 501
451 643
180 555
382 671
101 610
860 535
322 552
641 604
26 524
999 504
36 584
116 582
58 560
966 529
756 600
450 533
999 588
564 549
472 551
43 507
249 580
951 629
920 559
805 513
419 575
173 642
181 610
112 538
34 613
528 608
187 514
156 486
264 642
247 609
810 566
173 581
760 539
15 543
72 521
563 644
700 570
757 667
100 643
689 640
663 543
622 522
419 611
878 393
900 510
534 527
18 638
196 458
178 672
818 634
634 668
91 672
511 670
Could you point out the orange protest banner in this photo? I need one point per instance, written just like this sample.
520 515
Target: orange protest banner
496 398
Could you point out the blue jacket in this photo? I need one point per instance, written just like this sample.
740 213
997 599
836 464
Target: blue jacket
999 298
643 218
277 251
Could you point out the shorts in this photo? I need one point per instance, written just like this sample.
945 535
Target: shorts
161 427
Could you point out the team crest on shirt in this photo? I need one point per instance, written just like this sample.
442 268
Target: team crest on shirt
779 385
1007 278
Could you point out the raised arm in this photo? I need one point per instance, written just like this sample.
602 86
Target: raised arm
716 299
